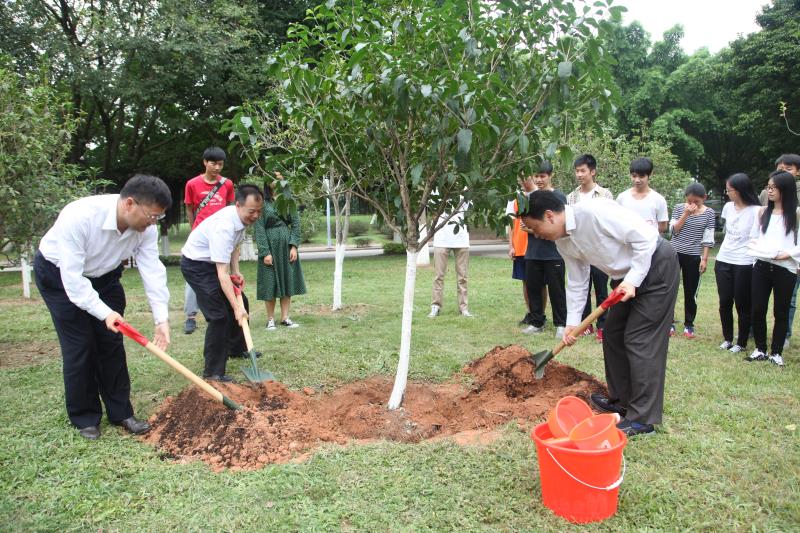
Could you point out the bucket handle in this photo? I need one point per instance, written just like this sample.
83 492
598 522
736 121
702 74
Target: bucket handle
613 486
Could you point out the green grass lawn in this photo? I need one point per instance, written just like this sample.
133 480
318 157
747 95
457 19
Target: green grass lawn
726 459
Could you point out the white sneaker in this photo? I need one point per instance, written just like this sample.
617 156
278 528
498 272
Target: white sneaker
726 345
560 332
271 325
289 324
530 330
736 349
434 311
467 314
757 355
777 359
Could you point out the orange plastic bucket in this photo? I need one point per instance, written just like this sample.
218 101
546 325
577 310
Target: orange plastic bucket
579 485
568 413
596 432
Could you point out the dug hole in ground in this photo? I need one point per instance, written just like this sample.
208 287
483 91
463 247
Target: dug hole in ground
279 425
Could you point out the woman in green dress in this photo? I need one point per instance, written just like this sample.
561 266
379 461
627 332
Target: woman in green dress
279 271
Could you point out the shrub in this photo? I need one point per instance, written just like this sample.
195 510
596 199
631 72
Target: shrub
362 242
394 248
357 228
170 260
310 222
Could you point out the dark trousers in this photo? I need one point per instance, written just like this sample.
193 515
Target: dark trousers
769 278
690 270
93 357
599 280
636 339
550 273
224 336
733 288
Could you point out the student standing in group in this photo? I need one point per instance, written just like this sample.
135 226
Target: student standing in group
544 268
586 173
452 237
204 195
733 267
78 269
518 243
640 264
791 164
775 270
210 264
692 227
643 200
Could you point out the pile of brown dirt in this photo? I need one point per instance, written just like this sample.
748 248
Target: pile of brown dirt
278 424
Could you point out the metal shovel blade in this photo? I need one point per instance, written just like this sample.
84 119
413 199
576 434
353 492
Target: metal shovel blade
253 373
540 360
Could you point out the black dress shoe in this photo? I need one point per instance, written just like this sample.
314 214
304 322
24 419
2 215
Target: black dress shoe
221 379
602 403
134 425
90 432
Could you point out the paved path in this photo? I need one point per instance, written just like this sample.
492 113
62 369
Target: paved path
317 253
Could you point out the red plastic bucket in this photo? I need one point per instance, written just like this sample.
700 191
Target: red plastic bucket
579 485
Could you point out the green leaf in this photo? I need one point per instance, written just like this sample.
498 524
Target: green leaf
565 69
416 173
464 139
523 144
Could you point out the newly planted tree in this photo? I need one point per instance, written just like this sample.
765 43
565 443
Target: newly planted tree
422 106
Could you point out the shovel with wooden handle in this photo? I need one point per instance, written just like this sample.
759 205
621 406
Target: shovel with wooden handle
542 358
132 333
251 371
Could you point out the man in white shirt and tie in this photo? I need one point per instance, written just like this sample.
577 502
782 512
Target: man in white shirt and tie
210 259
642 265
78 269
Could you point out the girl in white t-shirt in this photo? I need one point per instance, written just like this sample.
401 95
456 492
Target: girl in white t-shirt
775 270
733 267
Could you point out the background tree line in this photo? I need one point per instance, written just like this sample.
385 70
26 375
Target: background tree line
145 85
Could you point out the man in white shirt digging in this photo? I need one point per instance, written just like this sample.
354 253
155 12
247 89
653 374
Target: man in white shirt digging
78 269
641 264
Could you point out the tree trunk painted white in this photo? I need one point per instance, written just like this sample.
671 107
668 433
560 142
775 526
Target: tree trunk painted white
337 276
165 244
247 250
401 378
424 257
26 275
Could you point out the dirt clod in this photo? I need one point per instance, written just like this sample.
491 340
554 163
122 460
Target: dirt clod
278 424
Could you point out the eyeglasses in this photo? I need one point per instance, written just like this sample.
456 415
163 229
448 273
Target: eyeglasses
152 218
771 187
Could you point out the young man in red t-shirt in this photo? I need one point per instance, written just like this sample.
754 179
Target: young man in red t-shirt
202 203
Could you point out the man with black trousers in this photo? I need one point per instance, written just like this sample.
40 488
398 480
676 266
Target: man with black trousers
641 264
78 269
210 264
544 268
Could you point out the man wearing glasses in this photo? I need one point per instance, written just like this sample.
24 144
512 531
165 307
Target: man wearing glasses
78 269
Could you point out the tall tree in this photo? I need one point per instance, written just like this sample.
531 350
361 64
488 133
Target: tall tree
423 106
149 80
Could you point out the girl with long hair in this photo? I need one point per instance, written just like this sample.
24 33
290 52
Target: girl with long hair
775 270
734 268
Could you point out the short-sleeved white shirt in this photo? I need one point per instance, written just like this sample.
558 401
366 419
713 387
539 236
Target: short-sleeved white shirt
215 238
652 208
738 233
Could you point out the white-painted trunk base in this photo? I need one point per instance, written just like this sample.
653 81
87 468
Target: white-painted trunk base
165 245
337 276
26 276
401 378
247 250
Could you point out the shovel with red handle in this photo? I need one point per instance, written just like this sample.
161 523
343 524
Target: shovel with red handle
542 358
130 331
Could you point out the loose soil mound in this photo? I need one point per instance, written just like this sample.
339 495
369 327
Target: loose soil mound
278 424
